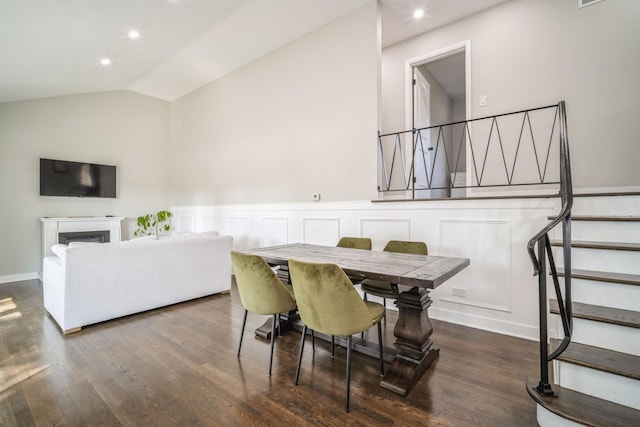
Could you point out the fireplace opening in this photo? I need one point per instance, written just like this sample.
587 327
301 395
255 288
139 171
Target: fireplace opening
84 236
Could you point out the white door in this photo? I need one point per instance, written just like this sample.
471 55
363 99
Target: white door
421 119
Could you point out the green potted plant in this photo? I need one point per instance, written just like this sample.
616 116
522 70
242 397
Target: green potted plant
153 224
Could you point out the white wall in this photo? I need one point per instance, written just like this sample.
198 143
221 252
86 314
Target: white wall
121 128
530 53
300 120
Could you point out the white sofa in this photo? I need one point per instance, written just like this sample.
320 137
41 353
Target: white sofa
94 282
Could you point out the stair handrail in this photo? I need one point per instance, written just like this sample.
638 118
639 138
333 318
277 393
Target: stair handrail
541 239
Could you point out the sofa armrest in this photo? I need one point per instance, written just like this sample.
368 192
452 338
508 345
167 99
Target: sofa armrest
53 288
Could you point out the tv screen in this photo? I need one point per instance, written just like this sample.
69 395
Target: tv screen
74 179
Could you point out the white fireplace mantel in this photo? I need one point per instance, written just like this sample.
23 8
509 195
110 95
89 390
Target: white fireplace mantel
51 227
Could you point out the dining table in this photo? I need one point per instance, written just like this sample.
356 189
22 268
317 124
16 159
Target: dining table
413 350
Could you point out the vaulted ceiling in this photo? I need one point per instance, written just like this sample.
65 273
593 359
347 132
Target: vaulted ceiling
53 48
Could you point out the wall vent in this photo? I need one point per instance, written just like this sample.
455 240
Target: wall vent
583 3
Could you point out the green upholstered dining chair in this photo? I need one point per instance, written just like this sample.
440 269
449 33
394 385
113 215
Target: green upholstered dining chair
390 290
328 303
261 292
355 243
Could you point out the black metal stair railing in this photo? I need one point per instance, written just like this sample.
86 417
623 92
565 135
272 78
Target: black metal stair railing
541 239
504 150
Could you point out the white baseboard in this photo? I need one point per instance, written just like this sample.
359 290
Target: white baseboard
476 322
486 324
19 277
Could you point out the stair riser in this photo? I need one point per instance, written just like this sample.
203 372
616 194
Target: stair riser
605 294
602 260
615 388
605 335
602 231
548 418
606 206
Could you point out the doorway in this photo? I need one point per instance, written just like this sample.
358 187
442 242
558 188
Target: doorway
439 94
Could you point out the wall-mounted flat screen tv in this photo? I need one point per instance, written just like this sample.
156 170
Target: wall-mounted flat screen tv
75 179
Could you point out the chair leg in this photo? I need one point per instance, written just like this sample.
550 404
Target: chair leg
365 298
348 370
333 346
384 304
380 344
279 321
313 341
273 337
304 334
244 322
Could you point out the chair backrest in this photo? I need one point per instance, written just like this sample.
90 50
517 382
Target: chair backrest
417 248
327 301
355 243
260 289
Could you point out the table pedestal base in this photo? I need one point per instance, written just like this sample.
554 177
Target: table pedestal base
415 350
286 324
403 373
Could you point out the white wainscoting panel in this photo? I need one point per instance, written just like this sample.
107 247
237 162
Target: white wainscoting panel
487 281
206 223
382 230
238 227
321 231
274 231
500 289
184 223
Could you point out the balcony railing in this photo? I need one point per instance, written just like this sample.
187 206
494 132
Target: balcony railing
505 150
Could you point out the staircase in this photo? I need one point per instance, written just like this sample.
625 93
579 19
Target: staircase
597 378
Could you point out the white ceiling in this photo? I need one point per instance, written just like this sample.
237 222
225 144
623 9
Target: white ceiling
53 48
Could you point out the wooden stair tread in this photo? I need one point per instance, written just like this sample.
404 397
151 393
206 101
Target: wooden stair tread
584 409
613 218
603 276
614 316
619 246
602 359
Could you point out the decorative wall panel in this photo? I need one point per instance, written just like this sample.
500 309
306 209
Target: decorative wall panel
382 230
184 223
238 227
486 282
321 231
274 231
206 223
494 293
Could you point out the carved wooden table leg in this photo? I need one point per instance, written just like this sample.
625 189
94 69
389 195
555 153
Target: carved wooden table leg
415 349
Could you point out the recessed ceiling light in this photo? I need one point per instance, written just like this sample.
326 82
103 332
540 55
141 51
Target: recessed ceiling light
133 34
105 61
418 14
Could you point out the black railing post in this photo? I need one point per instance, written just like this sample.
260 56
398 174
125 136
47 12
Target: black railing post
544 387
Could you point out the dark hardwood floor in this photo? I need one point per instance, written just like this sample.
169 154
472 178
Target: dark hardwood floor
177 366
